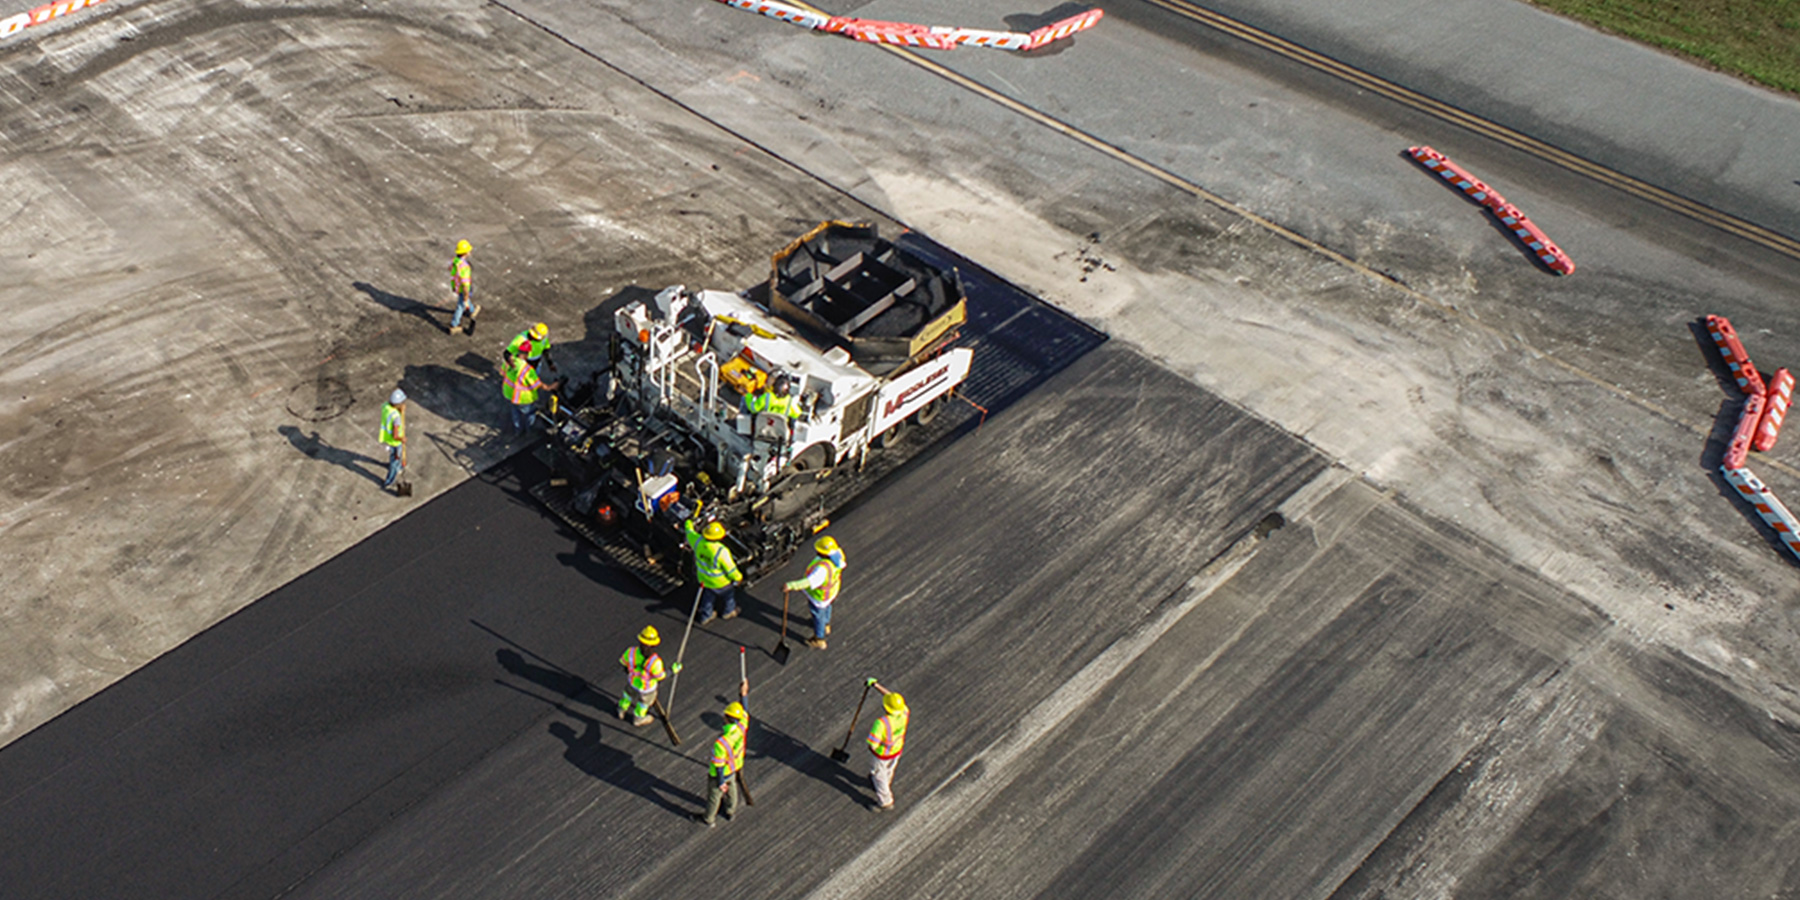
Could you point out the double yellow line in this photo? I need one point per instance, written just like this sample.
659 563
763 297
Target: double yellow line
1498 133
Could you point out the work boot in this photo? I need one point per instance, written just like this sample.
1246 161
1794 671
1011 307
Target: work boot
701 818
641 721
730 614
705 619
816 643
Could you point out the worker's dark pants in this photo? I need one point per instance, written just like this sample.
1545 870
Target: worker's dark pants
714 795
727 594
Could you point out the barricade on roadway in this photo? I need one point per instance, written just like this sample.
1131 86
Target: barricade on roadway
1521 226
805 18
904 34
1775 406
1726 339
1739 448
1767 505
1056 31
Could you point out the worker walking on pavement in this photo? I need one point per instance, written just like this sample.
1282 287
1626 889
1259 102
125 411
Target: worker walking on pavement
886 740
520 384
393 434
727 759
824 575
644 669
462 283
718 572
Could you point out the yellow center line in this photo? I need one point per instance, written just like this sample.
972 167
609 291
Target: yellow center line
1290 235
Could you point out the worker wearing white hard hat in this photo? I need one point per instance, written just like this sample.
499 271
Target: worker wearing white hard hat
393 434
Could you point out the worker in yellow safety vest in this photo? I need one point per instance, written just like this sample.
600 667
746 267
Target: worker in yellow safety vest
643 669
462 283
717 571
519 385
727 759
393 436
824 575
886 739
532 343
775 398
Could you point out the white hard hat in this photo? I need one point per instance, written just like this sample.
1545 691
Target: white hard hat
397 397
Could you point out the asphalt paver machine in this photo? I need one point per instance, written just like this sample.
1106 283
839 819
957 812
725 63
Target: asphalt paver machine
865 332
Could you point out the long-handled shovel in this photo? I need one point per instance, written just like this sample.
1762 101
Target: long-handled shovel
744 683
782 650
668 726
675 681
842 754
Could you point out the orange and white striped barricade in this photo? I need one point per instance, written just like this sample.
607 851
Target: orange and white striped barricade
804 18
1475 189
1780 394
1056 31
1739 448
975 37
1726 339
900 34
1767 505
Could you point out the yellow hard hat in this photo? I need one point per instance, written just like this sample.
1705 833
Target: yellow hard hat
463 247
825 545
893 703
648 637
539 331
713 531
736 711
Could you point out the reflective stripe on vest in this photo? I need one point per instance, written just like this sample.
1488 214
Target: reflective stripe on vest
521 383
888 737
834 579
644 673
460 276
728 750
393 428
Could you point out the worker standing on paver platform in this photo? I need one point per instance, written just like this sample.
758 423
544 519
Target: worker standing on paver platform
824 575
462 283
644 669
776 398
519 384
886 739
718 572
727 759
393 434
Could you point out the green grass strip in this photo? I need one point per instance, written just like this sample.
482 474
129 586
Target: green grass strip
1757 40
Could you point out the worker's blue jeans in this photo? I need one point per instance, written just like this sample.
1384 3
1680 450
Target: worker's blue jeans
521 417
393 466
462 305
821 618
727 593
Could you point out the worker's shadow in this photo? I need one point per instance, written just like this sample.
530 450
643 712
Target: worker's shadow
558 681
768 742
315 448
405 305
589 752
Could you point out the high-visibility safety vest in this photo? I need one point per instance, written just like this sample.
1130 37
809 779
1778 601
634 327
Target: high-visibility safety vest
461 278
767 401
824 575
712 560
393 425
523 345
520 383
888 737
645 672
728 750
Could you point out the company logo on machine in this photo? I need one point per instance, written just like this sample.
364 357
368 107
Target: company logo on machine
14 24
904 397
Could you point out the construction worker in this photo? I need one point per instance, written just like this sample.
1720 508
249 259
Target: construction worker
718 572
776 397
727 759
643 668
393 434
519 384
824 575
462 282
886 739
532 343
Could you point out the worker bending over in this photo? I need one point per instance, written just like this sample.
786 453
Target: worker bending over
643 669
824 575
886 740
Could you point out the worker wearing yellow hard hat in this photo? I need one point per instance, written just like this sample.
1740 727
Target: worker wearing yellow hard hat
717 571
532 343
727 761
462 284
886 740
643 671
824 576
